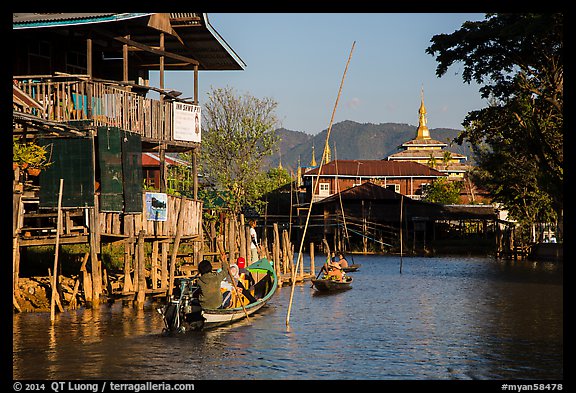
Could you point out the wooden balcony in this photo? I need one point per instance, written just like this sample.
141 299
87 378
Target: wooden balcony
106 103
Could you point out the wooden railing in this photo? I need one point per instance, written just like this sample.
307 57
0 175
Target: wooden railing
104 103
131 224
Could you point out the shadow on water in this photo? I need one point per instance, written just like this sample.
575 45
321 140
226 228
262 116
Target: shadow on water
442 318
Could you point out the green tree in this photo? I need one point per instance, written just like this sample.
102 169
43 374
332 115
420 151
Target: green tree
275 178
238 133
518 139
443 191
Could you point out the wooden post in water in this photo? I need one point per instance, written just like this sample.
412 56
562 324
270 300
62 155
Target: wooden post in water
72 304
164 262
276 251
127 262
312 267
141 283
57 246
401 209
154 264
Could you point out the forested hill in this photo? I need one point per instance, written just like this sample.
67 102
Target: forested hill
355 141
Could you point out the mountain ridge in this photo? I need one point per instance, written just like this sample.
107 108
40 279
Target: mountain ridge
350 140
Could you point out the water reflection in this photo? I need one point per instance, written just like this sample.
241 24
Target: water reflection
442 318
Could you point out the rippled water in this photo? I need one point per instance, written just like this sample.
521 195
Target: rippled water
441 318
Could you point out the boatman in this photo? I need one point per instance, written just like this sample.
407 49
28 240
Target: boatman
333 270
209 283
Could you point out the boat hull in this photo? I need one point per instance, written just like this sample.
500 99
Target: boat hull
351 268
214 318
325 285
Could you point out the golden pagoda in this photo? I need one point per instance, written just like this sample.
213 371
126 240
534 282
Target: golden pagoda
425 150
313 162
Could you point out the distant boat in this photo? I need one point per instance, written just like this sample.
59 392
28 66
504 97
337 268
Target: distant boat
352 268
327 285
180 315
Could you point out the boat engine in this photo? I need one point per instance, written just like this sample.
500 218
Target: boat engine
182 311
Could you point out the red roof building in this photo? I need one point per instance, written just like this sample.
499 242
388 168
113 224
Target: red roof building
404 177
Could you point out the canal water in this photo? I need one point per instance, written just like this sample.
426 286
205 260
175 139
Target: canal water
449 318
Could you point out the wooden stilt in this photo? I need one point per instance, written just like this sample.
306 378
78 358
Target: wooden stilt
72 304
57 247
141 283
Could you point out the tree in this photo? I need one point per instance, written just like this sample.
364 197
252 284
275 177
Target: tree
518 139
238 133
275 178
443 191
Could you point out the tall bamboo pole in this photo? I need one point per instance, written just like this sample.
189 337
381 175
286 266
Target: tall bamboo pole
315 185
57 246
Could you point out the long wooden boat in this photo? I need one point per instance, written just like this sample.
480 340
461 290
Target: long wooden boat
326 285
183 314
352 268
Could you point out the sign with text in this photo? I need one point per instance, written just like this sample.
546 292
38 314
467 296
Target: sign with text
186 122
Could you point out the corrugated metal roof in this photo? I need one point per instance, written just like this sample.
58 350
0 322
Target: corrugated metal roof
194 37
375 169
31 20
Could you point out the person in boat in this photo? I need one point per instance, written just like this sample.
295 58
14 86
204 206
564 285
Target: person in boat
333 270
209 283
243 290
245 275
342 261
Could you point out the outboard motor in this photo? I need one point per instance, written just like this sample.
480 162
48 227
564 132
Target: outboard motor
181 312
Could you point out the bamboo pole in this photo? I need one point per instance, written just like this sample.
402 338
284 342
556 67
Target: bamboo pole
57 246
315 185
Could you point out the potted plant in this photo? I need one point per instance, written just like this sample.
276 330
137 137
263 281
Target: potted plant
30 156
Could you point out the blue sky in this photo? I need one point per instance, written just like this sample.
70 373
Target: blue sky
298 60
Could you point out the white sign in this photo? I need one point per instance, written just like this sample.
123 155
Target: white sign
186 122
156 203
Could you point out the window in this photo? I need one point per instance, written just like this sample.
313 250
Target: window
423 188
39 58
393 187
76 62
324 189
